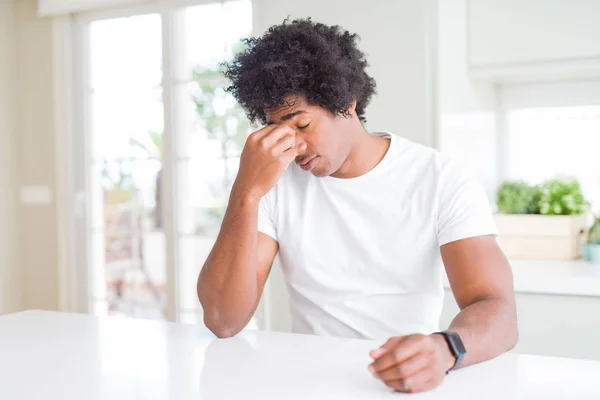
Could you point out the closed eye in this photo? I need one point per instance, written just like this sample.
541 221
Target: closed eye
304 127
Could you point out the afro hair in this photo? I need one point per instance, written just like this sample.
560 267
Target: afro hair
301 57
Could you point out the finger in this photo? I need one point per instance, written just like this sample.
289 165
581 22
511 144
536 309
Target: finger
423 381
387 346
276 134
290 155
402 351
406 369
259 134
285 143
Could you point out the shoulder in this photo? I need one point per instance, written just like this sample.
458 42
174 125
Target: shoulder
424 161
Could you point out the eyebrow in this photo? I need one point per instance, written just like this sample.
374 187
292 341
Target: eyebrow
289 116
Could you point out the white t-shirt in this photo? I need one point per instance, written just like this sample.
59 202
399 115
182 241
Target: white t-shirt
361 256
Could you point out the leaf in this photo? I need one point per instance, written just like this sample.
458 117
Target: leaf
518 198
562 197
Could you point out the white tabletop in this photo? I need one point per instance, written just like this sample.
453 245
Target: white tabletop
49 356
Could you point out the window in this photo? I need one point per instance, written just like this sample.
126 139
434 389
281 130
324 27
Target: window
126 131
157 173
556 141
552 130
536 131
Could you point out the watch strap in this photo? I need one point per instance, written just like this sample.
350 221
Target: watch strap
456 347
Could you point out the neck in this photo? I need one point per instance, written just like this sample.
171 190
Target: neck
367 151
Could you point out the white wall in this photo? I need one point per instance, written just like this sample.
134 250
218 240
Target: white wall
35 156
394 35
28 260
467 124
9 274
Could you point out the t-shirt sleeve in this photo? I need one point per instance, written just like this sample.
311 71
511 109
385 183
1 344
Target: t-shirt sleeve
266 212
464 209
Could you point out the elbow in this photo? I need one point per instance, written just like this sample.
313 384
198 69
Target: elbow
512 334
513 337
214 319
219 328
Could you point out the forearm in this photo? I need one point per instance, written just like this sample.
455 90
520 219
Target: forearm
227 285
487 328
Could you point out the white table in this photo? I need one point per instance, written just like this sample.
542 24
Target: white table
45 355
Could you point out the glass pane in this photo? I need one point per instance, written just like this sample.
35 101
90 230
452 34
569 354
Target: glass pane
134 273
213 33
191 317
127 123
128 186
126 52
549 142
193 252
238 15
205 184
128 249
216 125
214 131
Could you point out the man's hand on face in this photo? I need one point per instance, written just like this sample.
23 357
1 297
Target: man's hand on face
265 157
413 363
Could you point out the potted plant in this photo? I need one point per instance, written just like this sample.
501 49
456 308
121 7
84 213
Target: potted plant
542 222
591 249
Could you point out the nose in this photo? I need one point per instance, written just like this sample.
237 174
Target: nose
301 143
300 138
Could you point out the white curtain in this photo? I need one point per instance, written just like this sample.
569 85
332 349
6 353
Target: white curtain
61 7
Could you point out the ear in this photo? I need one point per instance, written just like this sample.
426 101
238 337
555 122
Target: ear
352 108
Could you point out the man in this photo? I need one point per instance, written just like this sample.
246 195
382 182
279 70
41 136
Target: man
363 221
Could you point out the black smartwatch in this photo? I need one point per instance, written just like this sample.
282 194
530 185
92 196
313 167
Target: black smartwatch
456 347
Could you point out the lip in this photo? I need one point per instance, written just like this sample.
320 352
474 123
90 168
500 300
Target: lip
310 164
305 161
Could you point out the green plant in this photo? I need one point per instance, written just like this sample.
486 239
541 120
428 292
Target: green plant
562 197
518 198
594 233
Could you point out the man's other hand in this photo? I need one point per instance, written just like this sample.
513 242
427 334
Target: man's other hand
413 363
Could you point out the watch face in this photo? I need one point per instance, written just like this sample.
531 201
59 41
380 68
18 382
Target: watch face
457 343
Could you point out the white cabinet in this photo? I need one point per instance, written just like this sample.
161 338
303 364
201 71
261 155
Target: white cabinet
533 38
550 325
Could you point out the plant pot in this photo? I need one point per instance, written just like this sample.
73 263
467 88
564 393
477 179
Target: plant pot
540 237
591 252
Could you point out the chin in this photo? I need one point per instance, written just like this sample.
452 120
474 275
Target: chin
320 173
322 169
